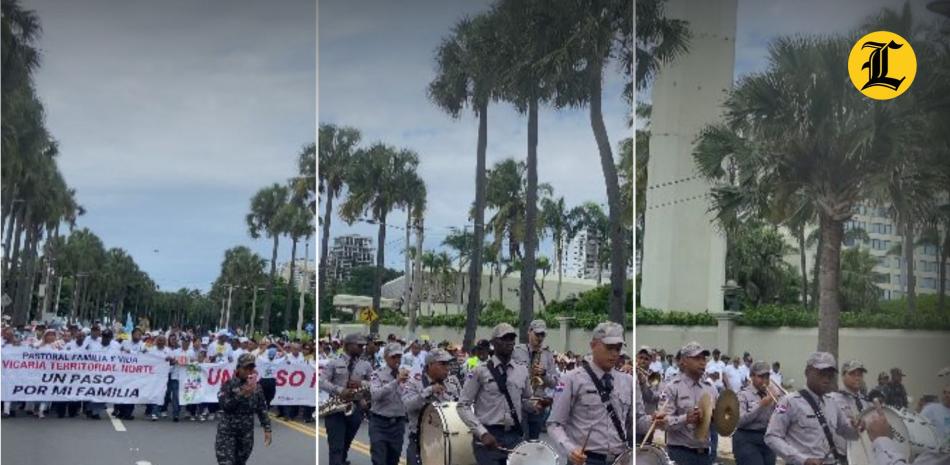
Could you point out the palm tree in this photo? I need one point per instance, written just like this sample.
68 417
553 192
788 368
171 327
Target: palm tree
417 213
467 73
812 136
378 183
264 220
337 146
243 269
305 184
659 40
461 243
557 220
297 221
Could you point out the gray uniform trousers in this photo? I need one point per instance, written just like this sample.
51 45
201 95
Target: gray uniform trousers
385 438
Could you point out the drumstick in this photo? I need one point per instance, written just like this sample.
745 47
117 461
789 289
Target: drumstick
584 446
510 451
652 425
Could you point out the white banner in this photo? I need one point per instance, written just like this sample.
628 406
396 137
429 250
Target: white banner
42 375
200 383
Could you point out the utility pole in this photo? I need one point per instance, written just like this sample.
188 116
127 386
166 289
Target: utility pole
59 291
254 309
227 319
306 287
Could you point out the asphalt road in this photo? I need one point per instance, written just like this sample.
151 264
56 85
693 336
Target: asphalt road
359 452
54 441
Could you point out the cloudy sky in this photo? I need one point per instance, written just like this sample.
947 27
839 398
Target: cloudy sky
376 59
171 114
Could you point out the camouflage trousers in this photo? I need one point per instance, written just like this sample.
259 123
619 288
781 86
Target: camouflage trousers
233 446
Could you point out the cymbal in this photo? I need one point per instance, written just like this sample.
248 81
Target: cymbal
705 406
725 417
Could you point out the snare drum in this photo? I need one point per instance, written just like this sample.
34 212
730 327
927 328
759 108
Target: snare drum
443 437
625 458
651 455
912 433
532 453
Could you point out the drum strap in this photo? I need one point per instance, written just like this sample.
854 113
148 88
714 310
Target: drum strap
605 398
842 459
502 381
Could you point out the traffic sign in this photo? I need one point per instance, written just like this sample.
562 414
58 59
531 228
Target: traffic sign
367 315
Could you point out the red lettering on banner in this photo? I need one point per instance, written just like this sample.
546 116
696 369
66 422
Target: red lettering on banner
297 378
313 380
281 377
21 365
218 375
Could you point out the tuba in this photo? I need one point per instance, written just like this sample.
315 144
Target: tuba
536 381
337 404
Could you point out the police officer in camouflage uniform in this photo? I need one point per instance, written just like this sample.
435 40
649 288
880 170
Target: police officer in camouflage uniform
434 384
546 369
240 398
387 416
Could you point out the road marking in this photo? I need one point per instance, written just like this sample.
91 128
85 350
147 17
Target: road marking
295 427
143 462
359 446
117 424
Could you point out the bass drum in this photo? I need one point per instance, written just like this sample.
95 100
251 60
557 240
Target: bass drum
647 455
912 433
532 453
443 437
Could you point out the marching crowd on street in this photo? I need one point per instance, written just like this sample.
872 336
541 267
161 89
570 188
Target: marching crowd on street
178 346
810 427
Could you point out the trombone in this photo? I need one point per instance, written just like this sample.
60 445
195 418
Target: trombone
781 390
653 378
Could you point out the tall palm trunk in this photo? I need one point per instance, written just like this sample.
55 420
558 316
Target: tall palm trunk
324 243
944 255
832 232
800 232
501 278
816 272
417 277
617 244
24 292
265 314
560 271
290 285
13 263
909 274
406 279
48 269
475 265
528 266
7 249
378 279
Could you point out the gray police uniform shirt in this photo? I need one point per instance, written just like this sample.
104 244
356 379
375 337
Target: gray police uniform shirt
795 434
415 397
848 402
644 420
522 354
886 452
491 409
680 396
336 374
651 395
577 410
385 392
753 416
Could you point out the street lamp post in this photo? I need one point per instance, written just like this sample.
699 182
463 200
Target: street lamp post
254 309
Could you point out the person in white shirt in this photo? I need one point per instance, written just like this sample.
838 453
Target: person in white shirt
732 376
174 356
295 357
745 368
221 351
939 415
670 372
79 343
237 347
776 374
47 342
135 344
107 345
267 365
413 359
656 366
159 350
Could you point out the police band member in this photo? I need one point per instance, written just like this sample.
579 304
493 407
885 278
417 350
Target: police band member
592 415
644 420
850 399
499 390
240 398
650 393
800 431
342 377
387 416
546 369
681 397
434 384
755 409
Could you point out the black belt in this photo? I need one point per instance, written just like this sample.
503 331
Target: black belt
694 450
505 428
601 457
751 431
383 417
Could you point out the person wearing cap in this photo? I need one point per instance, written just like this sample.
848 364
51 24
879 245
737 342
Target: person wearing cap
595 398
681 396
880 391
342 377
433 384
896 394
755 409
493 422
240 398
481 352
546 369
649 393
372 354
851 399
796 432
387 415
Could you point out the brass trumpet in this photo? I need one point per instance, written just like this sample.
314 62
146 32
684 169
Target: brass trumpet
653 378
782 392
